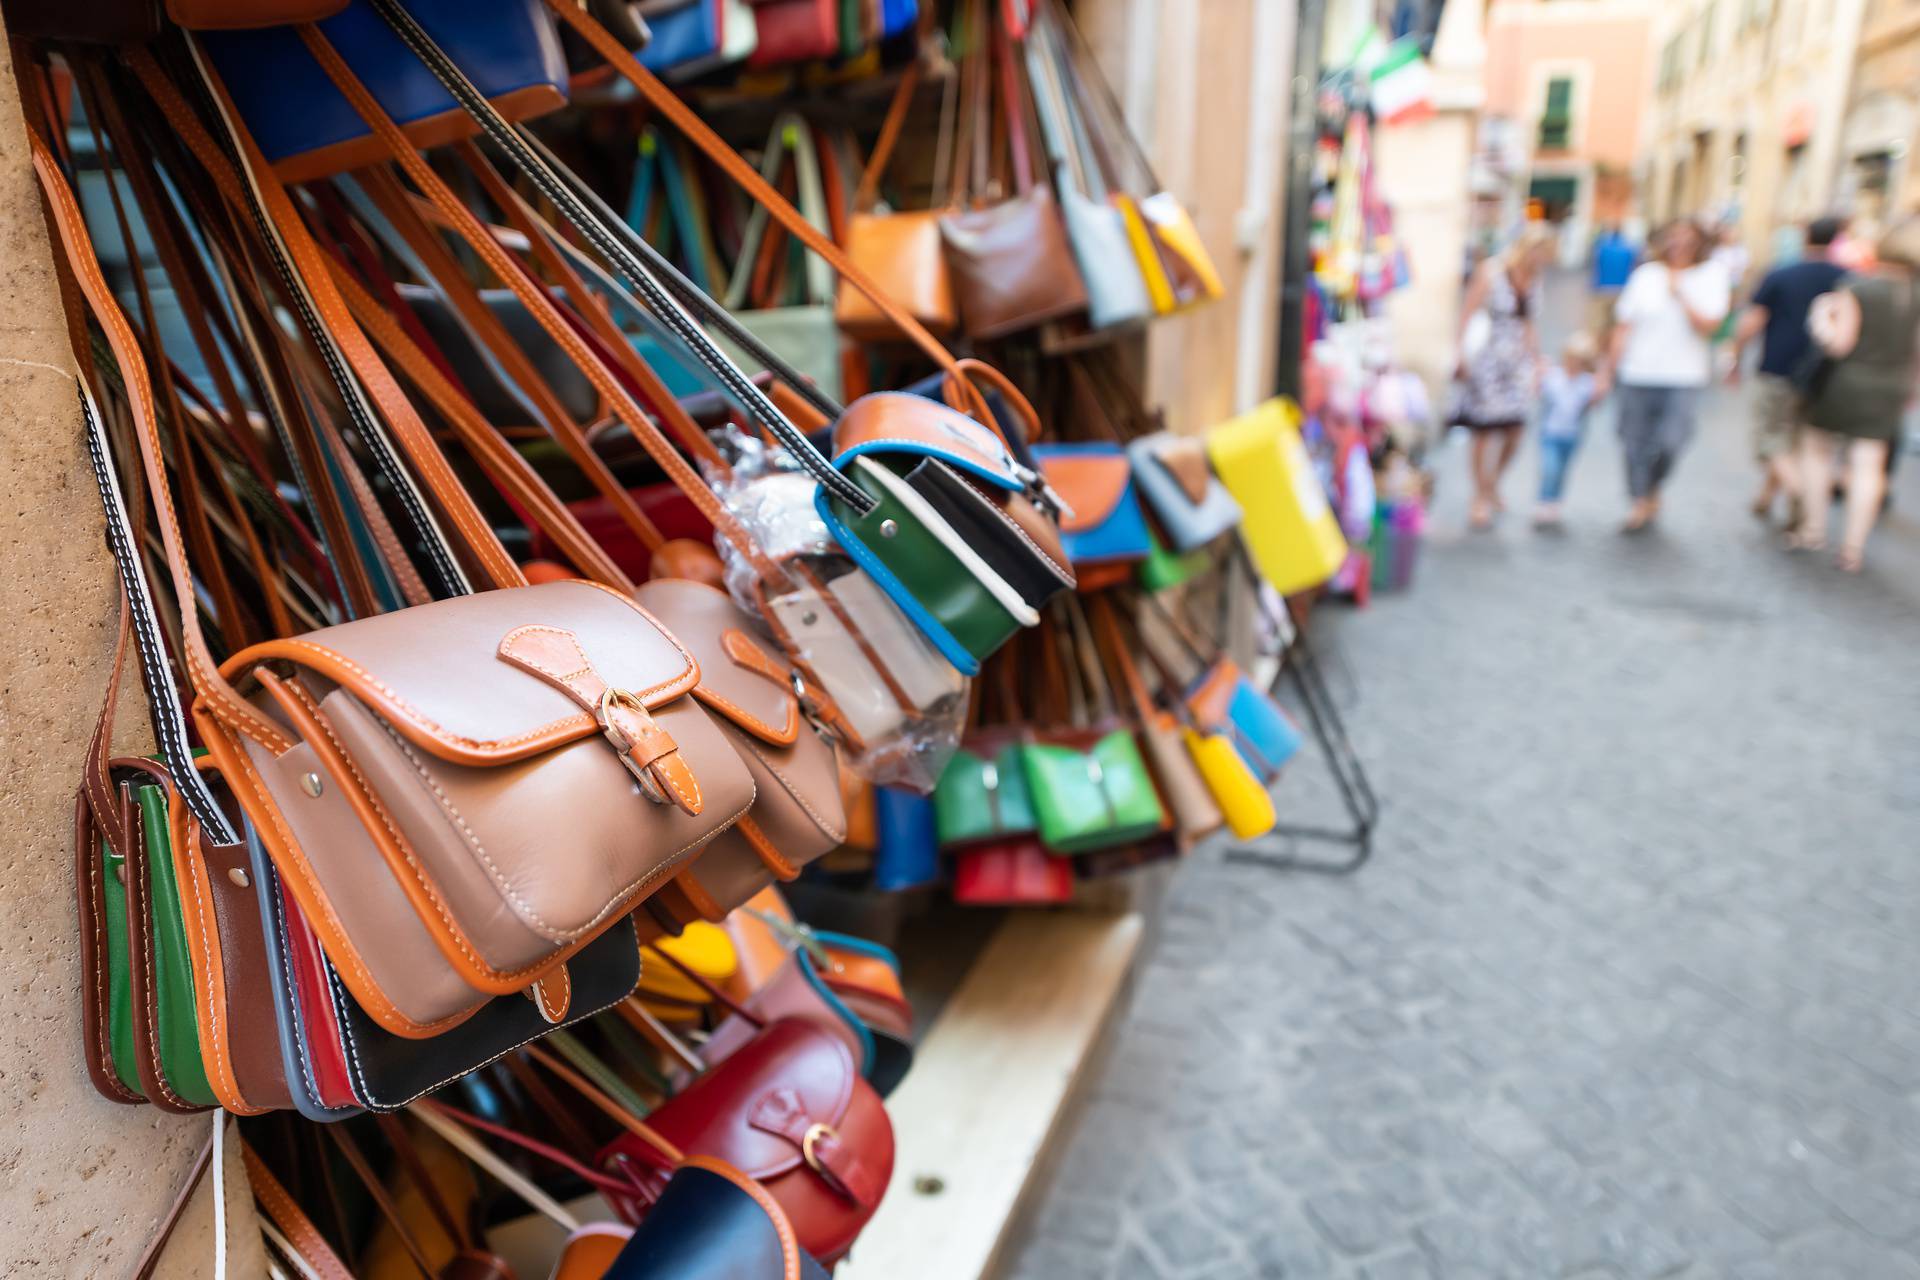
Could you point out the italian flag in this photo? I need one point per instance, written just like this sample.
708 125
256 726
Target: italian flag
1402 84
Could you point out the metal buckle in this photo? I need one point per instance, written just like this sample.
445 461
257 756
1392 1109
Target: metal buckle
610 698
813 1135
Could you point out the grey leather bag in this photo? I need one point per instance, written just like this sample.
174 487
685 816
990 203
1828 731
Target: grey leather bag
1177 481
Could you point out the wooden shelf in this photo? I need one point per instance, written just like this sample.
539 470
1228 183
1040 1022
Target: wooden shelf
991 1083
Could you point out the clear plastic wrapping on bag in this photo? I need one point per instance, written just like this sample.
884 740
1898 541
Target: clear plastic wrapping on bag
901 704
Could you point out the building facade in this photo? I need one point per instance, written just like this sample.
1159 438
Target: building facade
1567 83
1750 99
1877 180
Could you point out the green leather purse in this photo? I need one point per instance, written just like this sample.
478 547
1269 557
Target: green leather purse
1164 568
1092 791
132 879
982 795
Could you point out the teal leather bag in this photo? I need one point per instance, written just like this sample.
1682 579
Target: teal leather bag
982 795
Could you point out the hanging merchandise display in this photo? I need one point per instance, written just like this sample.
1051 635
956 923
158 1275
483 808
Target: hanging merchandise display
552 539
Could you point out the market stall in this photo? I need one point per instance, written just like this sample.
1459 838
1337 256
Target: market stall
597 496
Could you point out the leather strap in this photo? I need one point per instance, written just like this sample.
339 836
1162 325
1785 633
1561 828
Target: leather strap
1107 633
294 1225
382 1198
665 1150
537 301
150 1256
297 261
960 391
868 192
755 401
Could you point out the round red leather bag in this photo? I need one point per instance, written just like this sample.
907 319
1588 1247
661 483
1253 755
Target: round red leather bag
790 1110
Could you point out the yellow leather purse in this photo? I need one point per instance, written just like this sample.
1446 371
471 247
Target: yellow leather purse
1286 520
1242 799
671 995
1146 253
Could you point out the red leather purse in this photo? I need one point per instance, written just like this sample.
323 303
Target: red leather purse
1017 872
790 1110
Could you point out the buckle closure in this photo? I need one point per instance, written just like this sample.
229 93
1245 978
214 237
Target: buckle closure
809 1144
624 743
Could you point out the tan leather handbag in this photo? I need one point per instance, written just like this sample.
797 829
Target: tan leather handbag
899 250
1011 264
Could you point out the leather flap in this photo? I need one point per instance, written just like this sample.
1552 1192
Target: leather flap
1092 479
1212 696
1185 459
435 673
740 678
713 1116
897 421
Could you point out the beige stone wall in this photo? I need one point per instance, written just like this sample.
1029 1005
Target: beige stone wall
1212 82
83 1181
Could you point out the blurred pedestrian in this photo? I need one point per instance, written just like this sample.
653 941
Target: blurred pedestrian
1779 312
1499 362
1661 360
1567 392
1868 329
1614 256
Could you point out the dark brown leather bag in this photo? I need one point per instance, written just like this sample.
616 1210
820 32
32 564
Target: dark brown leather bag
1010 262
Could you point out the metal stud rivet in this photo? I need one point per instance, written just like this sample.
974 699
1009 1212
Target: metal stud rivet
888 528
120 872
310 783
809 617
239 876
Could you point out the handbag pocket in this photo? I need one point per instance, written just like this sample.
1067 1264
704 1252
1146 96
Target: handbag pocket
450 791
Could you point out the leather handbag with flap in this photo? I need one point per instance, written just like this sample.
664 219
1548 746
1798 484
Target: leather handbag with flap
699 36
804 333
900 250
307 129
1106 524
1185 792
982 794
1287 522
795 31
1012 267
790 1110
1011 873
1177 481
1116 291
1225 701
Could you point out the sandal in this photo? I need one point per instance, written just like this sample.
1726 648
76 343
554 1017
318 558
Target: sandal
1479 516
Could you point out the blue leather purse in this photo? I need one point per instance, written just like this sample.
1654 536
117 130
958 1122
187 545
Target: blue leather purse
1225 701
908 855
510 49
1105 524
897 16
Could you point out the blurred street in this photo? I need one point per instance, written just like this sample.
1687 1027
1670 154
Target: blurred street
1628 990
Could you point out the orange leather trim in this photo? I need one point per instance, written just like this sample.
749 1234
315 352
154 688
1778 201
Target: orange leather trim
789 1245
782 868
205 958
426 134
422 893
1209 699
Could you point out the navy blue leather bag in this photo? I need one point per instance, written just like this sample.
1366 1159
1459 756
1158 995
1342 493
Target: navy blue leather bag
510 49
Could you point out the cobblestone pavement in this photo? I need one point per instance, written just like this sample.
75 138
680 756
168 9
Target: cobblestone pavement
1628 988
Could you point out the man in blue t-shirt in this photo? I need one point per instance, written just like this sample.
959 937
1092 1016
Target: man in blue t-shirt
1614 258
1778 315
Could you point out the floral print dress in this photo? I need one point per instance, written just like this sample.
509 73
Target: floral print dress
1499 386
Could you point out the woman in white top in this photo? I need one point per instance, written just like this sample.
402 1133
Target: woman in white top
1662 360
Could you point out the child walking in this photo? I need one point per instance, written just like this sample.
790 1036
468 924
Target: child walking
1567 392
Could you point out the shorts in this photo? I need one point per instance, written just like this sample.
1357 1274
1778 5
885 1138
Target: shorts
1600 313
1778 416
